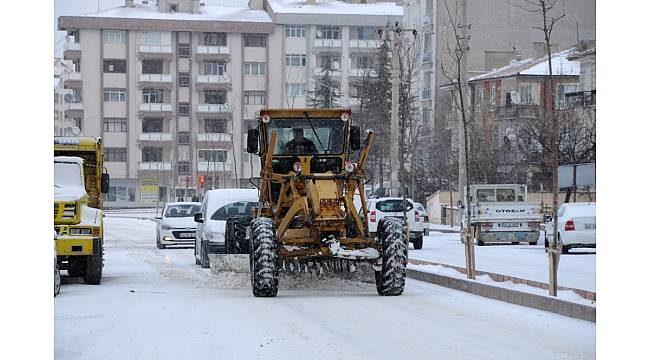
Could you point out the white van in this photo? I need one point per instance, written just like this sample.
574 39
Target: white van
216 207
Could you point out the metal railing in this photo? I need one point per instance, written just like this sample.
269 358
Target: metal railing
160 78
214 108
214 137
155 137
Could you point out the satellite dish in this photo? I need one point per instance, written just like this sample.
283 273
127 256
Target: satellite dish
75 131
335 65
68 98
319 33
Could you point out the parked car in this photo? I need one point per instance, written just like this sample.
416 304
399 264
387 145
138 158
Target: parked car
576 226
378 208
423 217
215 209
57 274
176 226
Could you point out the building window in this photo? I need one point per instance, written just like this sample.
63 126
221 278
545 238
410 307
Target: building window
152 154
183 79
114 37
214 39
255 40
115 154
493 97
526 94
77 123
215 97
152 96
114 125
183 108
562 90
152 66
120 193
328 32
255 69
151 37
365 62
426 114
478 98
183 168
254 97
215 68
183 138
295 89
114 66
213 155
334 60
152 125
295 59
365 33
114 95
215 126
183 50
294 31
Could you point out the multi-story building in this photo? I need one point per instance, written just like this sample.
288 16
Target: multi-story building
173 87
67 99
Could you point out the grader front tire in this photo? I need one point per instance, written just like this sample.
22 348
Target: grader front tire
263 257
390 280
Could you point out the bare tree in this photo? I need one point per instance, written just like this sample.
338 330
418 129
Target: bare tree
456 47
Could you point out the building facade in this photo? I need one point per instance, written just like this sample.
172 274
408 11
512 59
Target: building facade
172 88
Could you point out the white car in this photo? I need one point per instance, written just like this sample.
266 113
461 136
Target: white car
576 226
176 226
217 206
422 218
379 208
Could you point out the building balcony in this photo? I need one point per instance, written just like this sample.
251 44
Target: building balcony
73 109
214 137
213 82
427 57
211 166
426 94
71 80
517 112
155 137
214 109
357 44
156 80
327 43
72 51
581 99
155 51
213 52
155 108
361 72
320 72
154 166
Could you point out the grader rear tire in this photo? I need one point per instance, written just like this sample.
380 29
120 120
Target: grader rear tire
391 279
263 258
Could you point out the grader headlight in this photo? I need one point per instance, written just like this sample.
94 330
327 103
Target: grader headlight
297 167
350 166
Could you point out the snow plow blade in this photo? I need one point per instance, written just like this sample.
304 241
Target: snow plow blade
235 263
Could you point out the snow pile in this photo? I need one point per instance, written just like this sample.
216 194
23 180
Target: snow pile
208 13
566 295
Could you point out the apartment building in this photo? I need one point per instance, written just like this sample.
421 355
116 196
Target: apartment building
67 100
172 87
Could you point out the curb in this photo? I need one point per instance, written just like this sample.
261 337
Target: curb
557 306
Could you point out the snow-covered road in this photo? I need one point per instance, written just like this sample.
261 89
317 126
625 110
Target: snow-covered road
156 304
577 269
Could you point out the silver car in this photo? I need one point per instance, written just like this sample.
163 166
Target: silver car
176 226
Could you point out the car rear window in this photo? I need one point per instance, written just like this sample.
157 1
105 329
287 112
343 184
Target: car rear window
181 210
581 210
395 205
239 208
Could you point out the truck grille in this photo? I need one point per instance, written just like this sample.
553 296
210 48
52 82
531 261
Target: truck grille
64 211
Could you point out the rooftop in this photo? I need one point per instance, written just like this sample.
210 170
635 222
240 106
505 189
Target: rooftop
334 7
560 62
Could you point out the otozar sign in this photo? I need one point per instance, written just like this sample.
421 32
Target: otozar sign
513 211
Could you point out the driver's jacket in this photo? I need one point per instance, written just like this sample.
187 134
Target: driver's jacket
303 146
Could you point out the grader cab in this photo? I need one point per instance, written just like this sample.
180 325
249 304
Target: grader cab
307 213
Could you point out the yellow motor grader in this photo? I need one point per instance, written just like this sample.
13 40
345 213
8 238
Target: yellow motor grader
307 212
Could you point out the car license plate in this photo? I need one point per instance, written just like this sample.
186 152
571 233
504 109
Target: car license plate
590 226
186 235
510 225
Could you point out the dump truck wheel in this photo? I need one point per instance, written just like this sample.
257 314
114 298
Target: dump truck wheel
264 271
236 242
76 267
417 243
205 260
94 265
391 279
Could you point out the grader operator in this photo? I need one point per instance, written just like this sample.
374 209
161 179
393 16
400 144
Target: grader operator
306 204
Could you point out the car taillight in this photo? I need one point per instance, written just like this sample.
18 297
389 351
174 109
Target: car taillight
417 216
569 226
373 216
533 225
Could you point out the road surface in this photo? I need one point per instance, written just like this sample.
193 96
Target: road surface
157 304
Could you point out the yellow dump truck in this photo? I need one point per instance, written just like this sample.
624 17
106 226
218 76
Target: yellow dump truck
79 184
